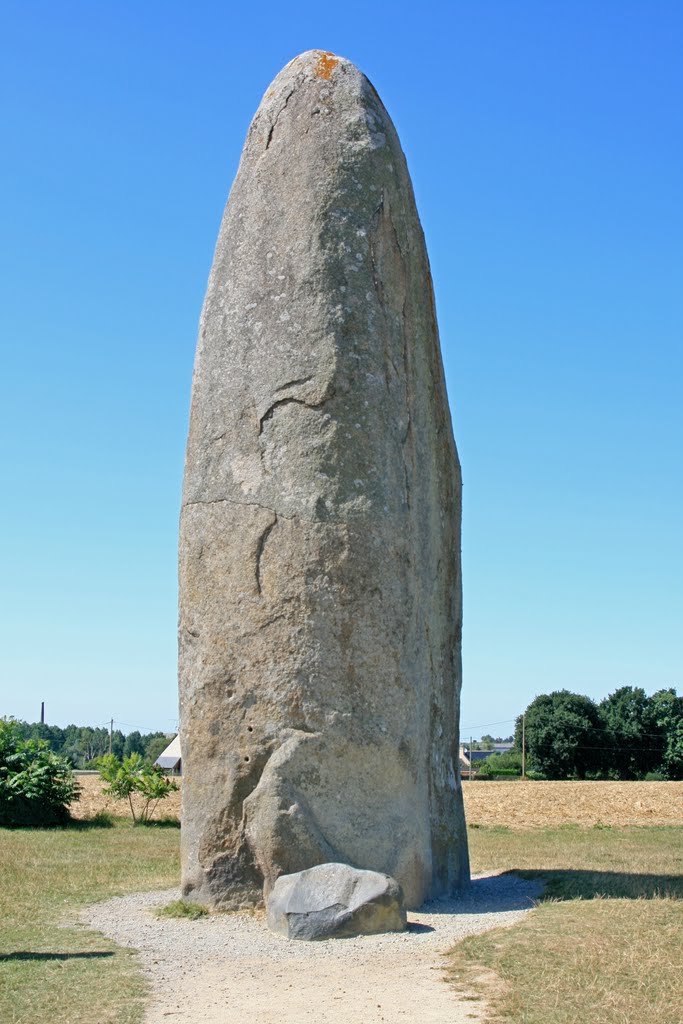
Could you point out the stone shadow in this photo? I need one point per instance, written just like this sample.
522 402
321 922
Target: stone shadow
490 894
416 928
26 955
561 884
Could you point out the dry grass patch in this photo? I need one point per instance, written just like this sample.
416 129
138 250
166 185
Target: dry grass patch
607 944
94 801
51 968
519 804
607 962
513 804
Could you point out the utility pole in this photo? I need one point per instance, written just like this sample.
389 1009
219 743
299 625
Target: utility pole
111 731
470 758
42 712
524 745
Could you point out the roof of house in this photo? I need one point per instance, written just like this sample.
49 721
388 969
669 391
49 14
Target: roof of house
171 756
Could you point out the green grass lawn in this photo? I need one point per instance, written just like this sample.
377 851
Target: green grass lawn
51 968
605 945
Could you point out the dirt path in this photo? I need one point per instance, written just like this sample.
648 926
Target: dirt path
229 969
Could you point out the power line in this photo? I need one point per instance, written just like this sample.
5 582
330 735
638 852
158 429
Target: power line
139 728
466 729
487 725
616 747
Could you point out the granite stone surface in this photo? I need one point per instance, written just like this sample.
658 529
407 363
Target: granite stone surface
319 562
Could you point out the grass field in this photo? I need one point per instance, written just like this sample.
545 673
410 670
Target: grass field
52 969
605 945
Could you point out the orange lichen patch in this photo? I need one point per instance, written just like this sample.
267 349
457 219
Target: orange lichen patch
325 65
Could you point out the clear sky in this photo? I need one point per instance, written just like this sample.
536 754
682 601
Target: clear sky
545 142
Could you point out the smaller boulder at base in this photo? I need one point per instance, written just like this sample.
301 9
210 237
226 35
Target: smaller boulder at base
335 901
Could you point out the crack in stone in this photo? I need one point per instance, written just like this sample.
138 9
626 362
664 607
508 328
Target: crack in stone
383 212
406 368
277 116
373 238
375 276
407 435
259 551
293 383
253 504
269 622
291 400
280 515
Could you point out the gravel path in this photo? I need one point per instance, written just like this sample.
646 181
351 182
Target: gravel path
229 969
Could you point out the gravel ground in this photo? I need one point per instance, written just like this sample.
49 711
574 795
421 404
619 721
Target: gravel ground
229 969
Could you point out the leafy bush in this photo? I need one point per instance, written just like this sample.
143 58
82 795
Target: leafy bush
36 786
134 777
506 764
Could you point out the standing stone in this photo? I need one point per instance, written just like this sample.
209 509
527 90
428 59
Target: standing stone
320 593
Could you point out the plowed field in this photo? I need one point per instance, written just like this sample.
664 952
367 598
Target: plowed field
541 804
93 800
512 804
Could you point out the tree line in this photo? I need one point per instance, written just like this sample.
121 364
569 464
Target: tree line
82 745
628 735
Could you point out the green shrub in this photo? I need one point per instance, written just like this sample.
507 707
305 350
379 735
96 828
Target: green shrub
134 777
36 786
499 773
509 764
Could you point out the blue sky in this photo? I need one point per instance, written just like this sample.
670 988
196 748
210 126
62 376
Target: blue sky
545 145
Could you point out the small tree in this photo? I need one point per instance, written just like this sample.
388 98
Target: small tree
633 738
563 736
667 712
133 744
133 776
36 785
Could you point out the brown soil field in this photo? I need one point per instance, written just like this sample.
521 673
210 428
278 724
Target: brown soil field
540 804
510 804
93 800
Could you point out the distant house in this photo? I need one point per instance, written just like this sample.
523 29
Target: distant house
497 748
170 759
472 757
